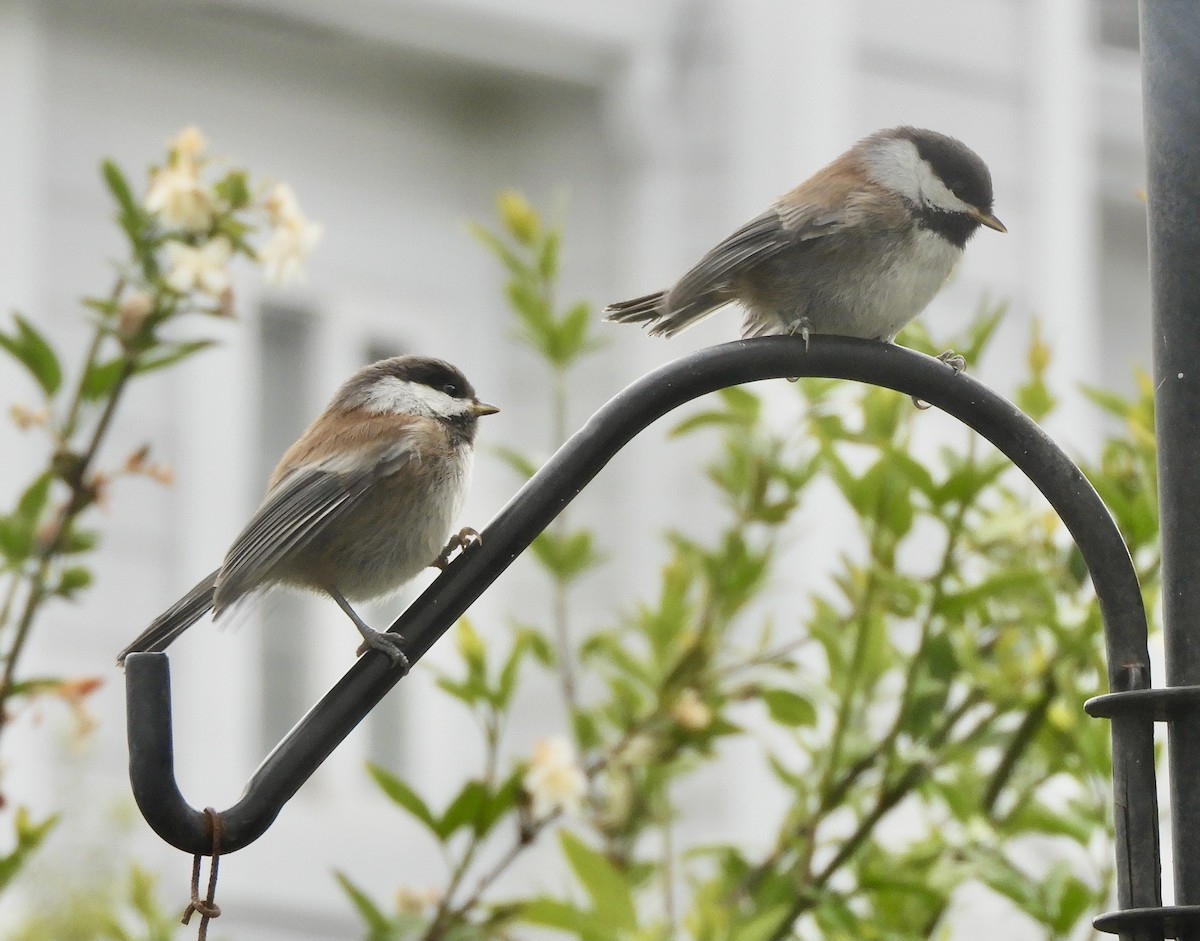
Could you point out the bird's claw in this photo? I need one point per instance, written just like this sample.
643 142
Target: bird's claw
464 539
388 644
802 326
956 361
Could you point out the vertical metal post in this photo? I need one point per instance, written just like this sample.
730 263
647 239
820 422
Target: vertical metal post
1170 31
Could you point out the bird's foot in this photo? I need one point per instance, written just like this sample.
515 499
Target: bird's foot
464 539
388 644
802 326
956 361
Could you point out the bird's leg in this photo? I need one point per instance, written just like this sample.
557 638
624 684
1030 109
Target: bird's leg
802 326
955 361
385 643
464 539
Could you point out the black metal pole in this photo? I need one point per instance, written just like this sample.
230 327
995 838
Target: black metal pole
1170 36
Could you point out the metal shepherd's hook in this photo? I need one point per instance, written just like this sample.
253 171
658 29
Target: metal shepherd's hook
151 760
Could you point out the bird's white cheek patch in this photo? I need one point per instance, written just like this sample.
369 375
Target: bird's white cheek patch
392 396
898 166
937 194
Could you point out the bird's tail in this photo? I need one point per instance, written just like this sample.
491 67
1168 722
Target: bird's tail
649 308
175 620
663 319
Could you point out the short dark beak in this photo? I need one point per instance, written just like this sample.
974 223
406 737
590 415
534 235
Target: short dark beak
482 408
986 218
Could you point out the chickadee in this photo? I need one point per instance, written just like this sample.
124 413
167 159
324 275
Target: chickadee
359 504
858 249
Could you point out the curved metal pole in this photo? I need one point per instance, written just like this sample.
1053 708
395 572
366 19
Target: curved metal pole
570 469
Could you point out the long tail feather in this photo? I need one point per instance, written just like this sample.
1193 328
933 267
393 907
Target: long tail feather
645 309
175 620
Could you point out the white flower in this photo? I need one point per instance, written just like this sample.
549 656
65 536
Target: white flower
292 238
188 146
691 712
554 781
177 195
284 253
203 268
415 901
282 206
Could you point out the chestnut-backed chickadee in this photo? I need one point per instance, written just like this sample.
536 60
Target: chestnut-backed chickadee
858 249
361 503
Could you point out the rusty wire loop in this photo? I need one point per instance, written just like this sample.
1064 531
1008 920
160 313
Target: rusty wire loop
207 906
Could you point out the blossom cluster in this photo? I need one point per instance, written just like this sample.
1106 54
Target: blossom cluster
203 222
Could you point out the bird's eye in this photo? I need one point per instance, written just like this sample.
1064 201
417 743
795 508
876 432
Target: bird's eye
450 389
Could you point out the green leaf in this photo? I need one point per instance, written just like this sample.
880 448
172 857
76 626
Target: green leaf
79 540
531 307
169 354
1035 399
517 461
469 691
472 649
764 924
552 913
36 685
705 420
72 580
16 538
609 890
400 793
378 924
464 810
104 306
233 189
101 378
500 802
1112 402
29 835
33 500
132 219
506 682
966 481
788 708
566 555
568 337
1070 899
32 351
547 263
507 257
542 649
1035 817
119 187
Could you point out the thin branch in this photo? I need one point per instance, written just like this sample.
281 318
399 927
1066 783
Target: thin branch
79 499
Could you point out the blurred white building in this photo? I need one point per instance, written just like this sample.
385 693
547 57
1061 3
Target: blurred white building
658 125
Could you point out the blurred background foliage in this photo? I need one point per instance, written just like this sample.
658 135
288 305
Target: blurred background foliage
922 716
921 713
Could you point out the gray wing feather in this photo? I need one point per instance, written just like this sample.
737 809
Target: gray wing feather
295 510
760 237
712 282
298 508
